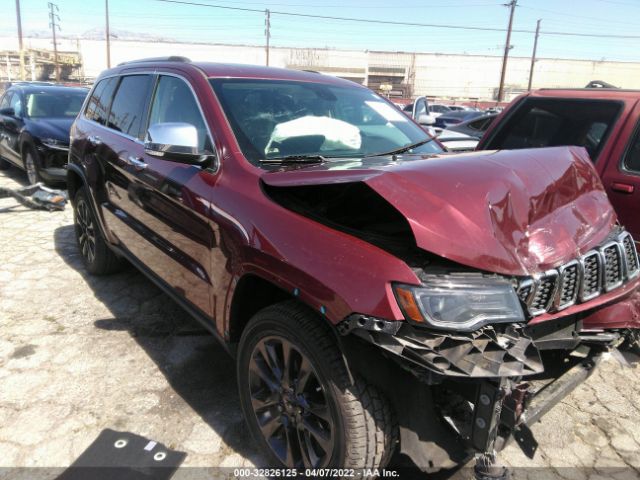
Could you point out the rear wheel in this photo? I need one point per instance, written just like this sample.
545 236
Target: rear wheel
298 401
98 258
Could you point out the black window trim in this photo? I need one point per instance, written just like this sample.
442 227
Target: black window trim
215 165
513 110
635 136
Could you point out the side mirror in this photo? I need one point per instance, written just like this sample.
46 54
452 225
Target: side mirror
424 119
175 141
9 112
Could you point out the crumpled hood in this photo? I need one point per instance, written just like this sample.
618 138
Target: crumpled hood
513 212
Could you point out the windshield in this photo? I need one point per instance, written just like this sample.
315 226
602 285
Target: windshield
275 119
54 104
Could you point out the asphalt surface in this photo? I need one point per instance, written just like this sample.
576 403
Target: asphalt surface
80 354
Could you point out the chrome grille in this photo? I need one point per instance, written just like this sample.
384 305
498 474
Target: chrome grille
632 265
544 294
569 285
591 276
525 289
612 258
600 270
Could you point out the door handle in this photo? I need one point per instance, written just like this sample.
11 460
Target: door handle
622 187
136 162
94 140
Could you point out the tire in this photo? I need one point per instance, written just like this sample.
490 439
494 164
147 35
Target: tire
98 258
351 425
32 165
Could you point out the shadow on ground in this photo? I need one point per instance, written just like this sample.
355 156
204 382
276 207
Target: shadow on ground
197 368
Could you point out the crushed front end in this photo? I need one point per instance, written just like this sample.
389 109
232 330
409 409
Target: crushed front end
494 353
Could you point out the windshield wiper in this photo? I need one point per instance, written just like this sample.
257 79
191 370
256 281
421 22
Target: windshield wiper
295 159
402 149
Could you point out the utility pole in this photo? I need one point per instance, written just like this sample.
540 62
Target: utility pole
107 33
20 45
512 4
53 8
533 55
267 32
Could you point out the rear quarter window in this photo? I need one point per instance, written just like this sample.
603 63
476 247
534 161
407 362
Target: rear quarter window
632 157
5 100
551 122
100 100
128 107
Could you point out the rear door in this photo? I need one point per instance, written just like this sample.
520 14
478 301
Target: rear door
621 177
163 204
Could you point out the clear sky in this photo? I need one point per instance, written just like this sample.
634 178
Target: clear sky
202 24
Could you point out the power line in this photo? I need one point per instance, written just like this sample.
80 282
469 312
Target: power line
345 19
397 23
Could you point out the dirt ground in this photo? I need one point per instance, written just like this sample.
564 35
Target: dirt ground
79 354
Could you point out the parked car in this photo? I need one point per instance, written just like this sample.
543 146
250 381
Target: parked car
491 110
448 119
35 120
474 128
374 291
456 141
436 109
419 111
604 121
461 108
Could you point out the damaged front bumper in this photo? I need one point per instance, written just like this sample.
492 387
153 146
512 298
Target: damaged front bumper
491 385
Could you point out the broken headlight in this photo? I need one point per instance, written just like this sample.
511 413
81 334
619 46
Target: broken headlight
463 304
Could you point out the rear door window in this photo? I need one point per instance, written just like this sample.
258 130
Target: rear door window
128 107
550 122
16 104
98 105
5 100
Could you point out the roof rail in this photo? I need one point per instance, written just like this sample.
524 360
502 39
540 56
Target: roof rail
172 58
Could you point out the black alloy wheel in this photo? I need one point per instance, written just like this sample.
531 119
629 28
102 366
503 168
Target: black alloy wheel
86 231
301 405
290 404
97 256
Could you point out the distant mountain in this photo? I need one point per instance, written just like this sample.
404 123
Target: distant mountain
98 34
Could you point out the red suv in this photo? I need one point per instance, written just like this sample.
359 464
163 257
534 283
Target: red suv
605 121
377 293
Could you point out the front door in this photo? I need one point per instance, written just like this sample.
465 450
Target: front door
165 203
622 182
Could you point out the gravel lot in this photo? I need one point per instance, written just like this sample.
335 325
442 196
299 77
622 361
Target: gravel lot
79 354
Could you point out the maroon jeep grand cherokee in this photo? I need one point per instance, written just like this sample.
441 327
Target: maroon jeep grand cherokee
377 293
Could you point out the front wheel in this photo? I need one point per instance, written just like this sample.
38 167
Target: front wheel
298 401
32 165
